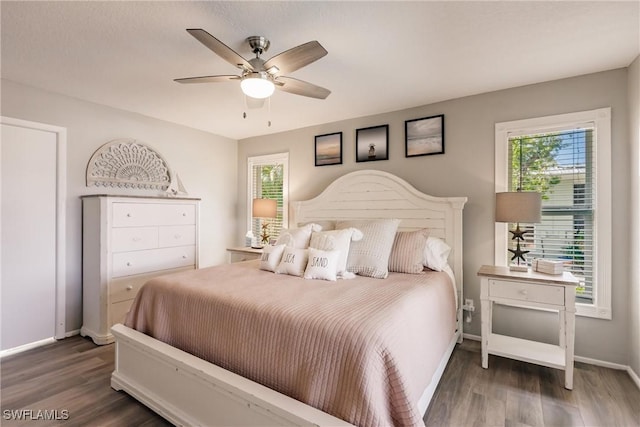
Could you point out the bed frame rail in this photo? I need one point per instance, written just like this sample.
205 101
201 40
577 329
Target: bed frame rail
188 391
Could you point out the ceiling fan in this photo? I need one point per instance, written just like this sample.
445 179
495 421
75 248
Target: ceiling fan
259 78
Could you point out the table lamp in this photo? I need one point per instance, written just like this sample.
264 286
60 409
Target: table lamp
264 208
518 206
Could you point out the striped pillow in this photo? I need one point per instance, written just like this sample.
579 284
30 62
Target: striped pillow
407 251
370 256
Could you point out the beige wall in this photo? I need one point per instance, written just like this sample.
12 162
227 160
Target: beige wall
467 169
634 264
206 164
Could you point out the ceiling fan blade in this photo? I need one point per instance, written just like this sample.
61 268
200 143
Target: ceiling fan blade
220 49
295 58
299 87
207 79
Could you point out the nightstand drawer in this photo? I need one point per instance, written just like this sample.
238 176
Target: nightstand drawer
539 293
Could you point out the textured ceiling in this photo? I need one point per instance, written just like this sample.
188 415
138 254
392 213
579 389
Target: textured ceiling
383 56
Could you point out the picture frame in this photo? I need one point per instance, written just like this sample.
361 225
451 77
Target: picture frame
328 149
424 136
372 143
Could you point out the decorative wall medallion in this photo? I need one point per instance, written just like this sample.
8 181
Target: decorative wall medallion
126 163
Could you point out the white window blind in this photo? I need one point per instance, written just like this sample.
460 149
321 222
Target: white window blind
268 178
561 166
567 157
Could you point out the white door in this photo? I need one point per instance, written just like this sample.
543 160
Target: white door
28 226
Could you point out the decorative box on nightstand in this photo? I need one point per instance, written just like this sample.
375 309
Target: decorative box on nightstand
533 290
243 254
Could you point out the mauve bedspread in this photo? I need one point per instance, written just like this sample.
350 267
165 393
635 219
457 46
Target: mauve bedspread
362 350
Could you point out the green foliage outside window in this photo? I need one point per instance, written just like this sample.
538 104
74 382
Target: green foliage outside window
538 154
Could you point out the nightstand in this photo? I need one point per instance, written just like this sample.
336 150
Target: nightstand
243 254
531 290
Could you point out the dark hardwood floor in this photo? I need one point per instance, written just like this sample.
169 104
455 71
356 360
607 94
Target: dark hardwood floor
73 375
512 393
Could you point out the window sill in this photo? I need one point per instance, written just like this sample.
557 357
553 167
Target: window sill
592 310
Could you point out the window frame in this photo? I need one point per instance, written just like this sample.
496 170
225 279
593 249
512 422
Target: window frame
600 120
269 159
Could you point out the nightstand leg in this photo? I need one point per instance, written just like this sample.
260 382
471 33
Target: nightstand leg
485 321
570 318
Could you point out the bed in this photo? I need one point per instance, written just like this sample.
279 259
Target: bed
188 390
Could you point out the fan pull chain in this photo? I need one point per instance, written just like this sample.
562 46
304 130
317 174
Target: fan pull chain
269 112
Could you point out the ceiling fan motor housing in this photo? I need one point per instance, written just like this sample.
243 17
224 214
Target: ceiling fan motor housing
258 44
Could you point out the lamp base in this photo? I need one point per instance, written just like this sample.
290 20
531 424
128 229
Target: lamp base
516 267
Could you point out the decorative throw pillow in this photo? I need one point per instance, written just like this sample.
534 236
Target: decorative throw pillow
339 240
297 237
436 254
271 257
370 256
408 251
293 261
322 265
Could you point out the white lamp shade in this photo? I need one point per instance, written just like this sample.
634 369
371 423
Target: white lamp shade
521 206
257 86
264 208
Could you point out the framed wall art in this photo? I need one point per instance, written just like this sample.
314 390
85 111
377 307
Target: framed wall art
425 136
329 149
372 143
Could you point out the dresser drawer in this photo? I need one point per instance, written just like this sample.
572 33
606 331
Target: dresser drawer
177 235
130 263
126 288
118 312
545 294
134 238
148 214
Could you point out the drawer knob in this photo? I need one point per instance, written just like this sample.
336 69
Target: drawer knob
523 292
130 287
184 214
128 264
137 239
184 257
129 215
177 236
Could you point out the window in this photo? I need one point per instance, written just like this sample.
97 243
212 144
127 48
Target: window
268 177
567 159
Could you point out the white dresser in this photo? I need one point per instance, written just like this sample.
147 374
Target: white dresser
125 242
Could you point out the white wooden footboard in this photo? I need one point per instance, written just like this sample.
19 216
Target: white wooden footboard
189 391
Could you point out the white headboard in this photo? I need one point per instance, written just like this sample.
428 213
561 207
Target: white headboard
370 194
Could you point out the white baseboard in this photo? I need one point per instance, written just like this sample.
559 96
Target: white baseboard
632 374
472 337
602 363
71 333
25 347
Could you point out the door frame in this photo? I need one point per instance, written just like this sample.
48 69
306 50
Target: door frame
61 213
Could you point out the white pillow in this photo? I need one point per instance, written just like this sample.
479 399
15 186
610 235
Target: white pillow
436 254
293 261
271 257
297 237
336 240
370 256
322 265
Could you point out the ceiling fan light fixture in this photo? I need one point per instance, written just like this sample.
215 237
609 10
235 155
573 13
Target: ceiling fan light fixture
257 85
